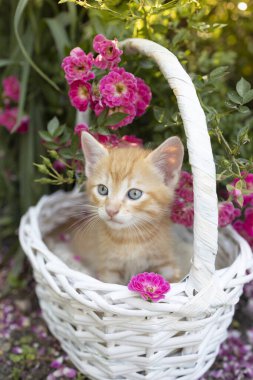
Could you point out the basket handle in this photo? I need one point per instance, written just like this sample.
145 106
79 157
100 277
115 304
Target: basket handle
200 157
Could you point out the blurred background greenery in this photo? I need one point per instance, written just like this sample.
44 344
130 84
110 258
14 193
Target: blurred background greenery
212 39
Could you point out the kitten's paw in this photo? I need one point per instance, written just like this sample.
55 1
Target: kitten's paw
169 272
112 277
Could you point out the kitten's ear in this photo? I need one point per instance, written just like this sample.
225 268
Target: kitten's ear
168 158
93 152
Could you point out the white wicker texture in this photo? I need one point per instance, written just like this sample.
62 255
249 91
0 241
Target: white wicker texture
109 332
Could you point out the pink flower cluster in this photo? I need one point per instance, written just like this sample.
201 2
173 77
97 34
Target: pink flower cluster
109 53
182 210
117 91
227 213
9 115
236 193
110 140
244 224
151 286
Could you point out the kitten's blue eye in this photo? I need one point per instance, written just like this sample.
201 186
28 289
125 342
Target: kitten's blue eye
102 189
134 194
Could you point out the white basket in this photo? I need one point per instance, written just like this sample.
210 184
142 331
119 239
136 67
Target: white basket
110 332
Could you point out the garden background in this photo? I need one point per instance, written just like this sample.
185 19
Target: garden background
212 39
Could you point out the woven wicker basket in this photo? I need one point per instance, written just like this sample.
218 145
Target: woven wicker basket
110 332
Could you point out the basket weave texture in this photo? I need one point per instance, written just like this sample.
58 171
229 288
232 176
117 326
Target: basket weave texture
110 332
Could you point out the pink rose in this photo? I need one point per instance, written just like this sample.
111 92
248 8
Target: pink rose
78 66
109 53
118 88
227 213
11 89
182 213
184 187
236 193
8 119
79 128
79 94
151 286
108 140
131 140
143 98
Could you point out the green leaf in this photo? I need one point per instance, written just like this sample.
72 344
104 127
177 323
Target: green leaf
218 72
8 62
115 118
52 126
234 97
161 114
45 136
17 18
66 153
242 136
65 137
101 118
29 39
242 87
60 130
59 34
50 145
243 109
248 97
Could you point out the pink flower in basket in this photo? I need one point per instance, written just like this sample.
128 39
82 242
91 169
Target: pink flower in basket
151 286
118 88
11 89
79 94
109 53
78 66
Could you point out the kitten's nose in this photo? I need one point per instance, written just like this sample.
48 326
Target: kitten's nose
112 210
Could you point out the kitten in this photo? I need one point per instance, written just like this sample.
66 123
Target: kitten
130 190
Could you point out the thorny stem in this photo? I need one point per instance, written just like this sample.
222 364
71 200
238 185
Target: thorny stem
146 26
220 136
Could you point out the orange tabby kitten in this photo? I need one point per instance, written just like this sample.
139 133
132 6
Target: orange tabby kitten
130 190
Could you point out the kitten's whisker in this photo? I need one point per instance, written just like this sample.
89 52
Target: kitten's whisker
80 220
85 226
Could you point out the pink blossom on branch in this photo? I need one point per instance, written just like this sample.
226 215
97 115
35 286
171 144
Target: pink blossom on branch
240 226
184 188
11 89
227 213
151 286
118 88
182 210
79 128
8 119
109 53
248 221
129 110
78 65
79 94
107 140
143 97
182 213
131 140
247 198
59 166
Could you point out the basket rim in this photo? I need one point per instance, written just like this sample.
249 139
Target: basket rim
30 221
